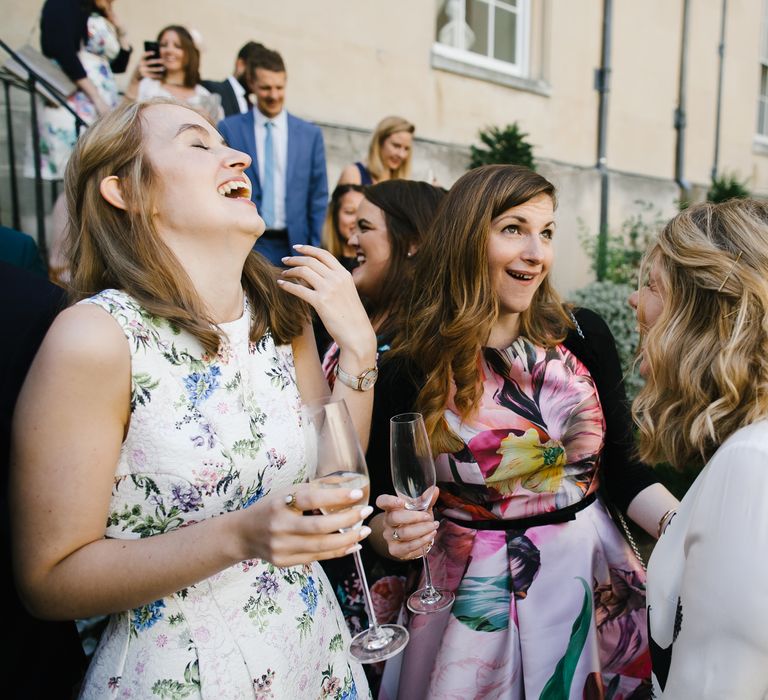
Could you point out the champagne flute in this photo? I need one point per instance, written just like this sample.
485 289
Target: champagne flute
413 474
336 461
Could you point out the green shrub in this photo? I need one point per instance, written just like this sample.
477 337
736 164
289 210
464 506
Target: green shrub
506 146
727 187
609 299
626 247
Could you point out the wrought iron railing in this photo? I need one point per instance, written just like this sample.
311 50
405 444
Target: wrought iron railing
33 84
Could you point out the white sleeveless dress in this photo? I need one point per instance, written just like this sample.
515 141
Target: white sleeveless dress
209 435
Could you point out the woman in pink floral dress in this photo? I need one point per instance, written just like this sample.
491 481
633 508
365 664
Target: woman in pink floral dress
523 401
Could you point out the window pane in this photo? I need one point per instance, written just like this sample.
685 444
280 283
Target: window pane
477 19
505 36
452 30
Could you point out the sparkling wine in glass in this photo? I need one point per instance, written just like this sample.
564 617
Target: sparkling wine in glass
413 474
336 461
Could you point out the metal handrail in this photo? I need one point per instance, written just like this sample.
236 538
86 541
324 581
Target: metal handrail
31 85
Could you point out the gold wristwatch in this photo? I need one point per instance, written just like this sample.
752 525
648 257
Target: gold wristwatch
362 382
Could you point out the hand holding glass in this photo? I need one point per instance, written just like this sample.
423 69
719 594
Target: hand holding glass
413 474
335 460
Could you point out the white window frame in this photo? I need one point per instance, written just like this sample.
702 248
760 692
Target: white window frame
521 66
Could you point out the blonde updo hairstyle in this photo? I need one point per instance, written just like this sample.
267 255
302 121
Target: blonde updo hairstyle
707 353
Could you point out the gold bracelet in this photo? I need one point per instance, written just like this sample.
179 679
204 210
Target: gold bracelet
664 521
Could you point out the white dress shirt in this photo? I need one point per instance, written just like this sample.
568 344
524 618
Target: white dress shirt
280 157
239 90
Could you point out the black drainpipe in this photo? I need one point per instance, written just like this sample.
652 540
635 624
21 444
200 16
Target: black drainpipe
721 59
682 183
602 85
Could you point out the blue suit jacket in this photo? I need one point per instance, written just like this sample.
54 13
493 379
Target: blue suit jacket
306 180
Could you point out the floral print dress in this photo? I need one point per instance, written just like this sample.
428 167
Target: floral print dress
209 435
550 611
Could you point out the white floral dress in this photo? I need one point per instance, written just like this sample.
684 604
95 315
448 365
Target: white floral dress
208 435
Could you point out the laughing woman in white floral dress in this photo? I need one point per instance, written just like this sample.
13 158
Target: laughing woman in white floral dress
158 453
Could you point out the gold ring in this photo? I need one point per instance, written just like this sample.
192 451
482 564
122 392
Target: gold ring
395 535
290 501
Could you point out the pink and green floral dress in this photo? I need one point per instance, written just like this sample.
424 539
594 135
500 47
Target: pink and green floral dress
209 435
548 611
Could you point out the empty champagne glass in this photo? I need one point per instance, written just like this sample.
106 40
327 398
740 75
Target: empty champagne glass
336 461
413 474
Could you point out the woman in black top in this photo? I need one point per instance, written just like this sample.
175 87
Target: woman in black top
85 38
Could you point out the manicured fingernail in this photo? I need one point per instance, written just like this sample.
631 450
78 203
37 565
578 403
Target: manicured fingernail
365 512
436 524
364 532
296 246
355 493
354 548
281 282
287 257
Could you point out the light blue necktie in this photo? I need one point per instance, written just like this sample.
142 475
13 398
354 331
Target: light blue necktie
268 186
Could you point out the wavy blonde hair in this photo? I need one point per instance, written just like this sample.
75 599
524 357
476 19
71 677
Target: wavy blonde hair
111 248
384 129
707 353
454 306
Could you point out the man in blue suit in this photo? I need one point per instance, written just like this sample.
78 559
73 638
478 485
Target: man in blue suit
290 184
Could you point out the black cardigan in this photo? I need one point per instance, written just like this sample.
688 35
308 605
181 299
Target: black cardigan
622 474
63 27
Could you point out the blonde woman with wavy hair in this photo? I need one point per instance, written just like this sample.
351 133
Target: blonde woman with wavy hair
704 317
389 154
158 455
526 412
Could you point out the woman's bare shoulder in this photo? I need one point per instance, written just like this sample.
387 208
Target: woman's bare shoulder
349 176
86 335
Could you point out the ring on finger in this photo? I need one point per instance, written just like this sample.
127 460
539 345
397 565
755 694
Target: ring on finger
290 501
396 534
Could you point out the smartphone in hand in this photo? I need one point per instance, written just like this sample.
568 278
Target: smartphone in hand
153 48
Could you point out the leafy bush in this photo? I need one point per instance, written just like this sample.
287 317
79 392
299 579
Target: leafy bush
727 187
609 299
625 249
506 146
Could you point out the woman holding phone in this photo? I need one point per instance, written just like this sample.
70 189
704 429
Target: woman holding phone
170 67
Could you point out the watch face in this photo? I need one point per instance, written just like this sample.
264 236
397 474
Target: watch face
368 379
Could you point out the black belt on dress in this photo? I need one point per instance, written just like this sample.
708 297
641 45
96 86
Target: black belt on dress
556 516
275 233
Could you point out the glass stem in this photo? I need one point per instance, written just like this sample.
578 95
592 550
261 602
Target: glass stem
374 632
429 589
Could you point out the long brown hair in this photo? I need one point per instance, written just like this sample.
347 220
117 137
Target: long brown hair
111 248
707 352
331 238
191 53
455 306
409 208
384 129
